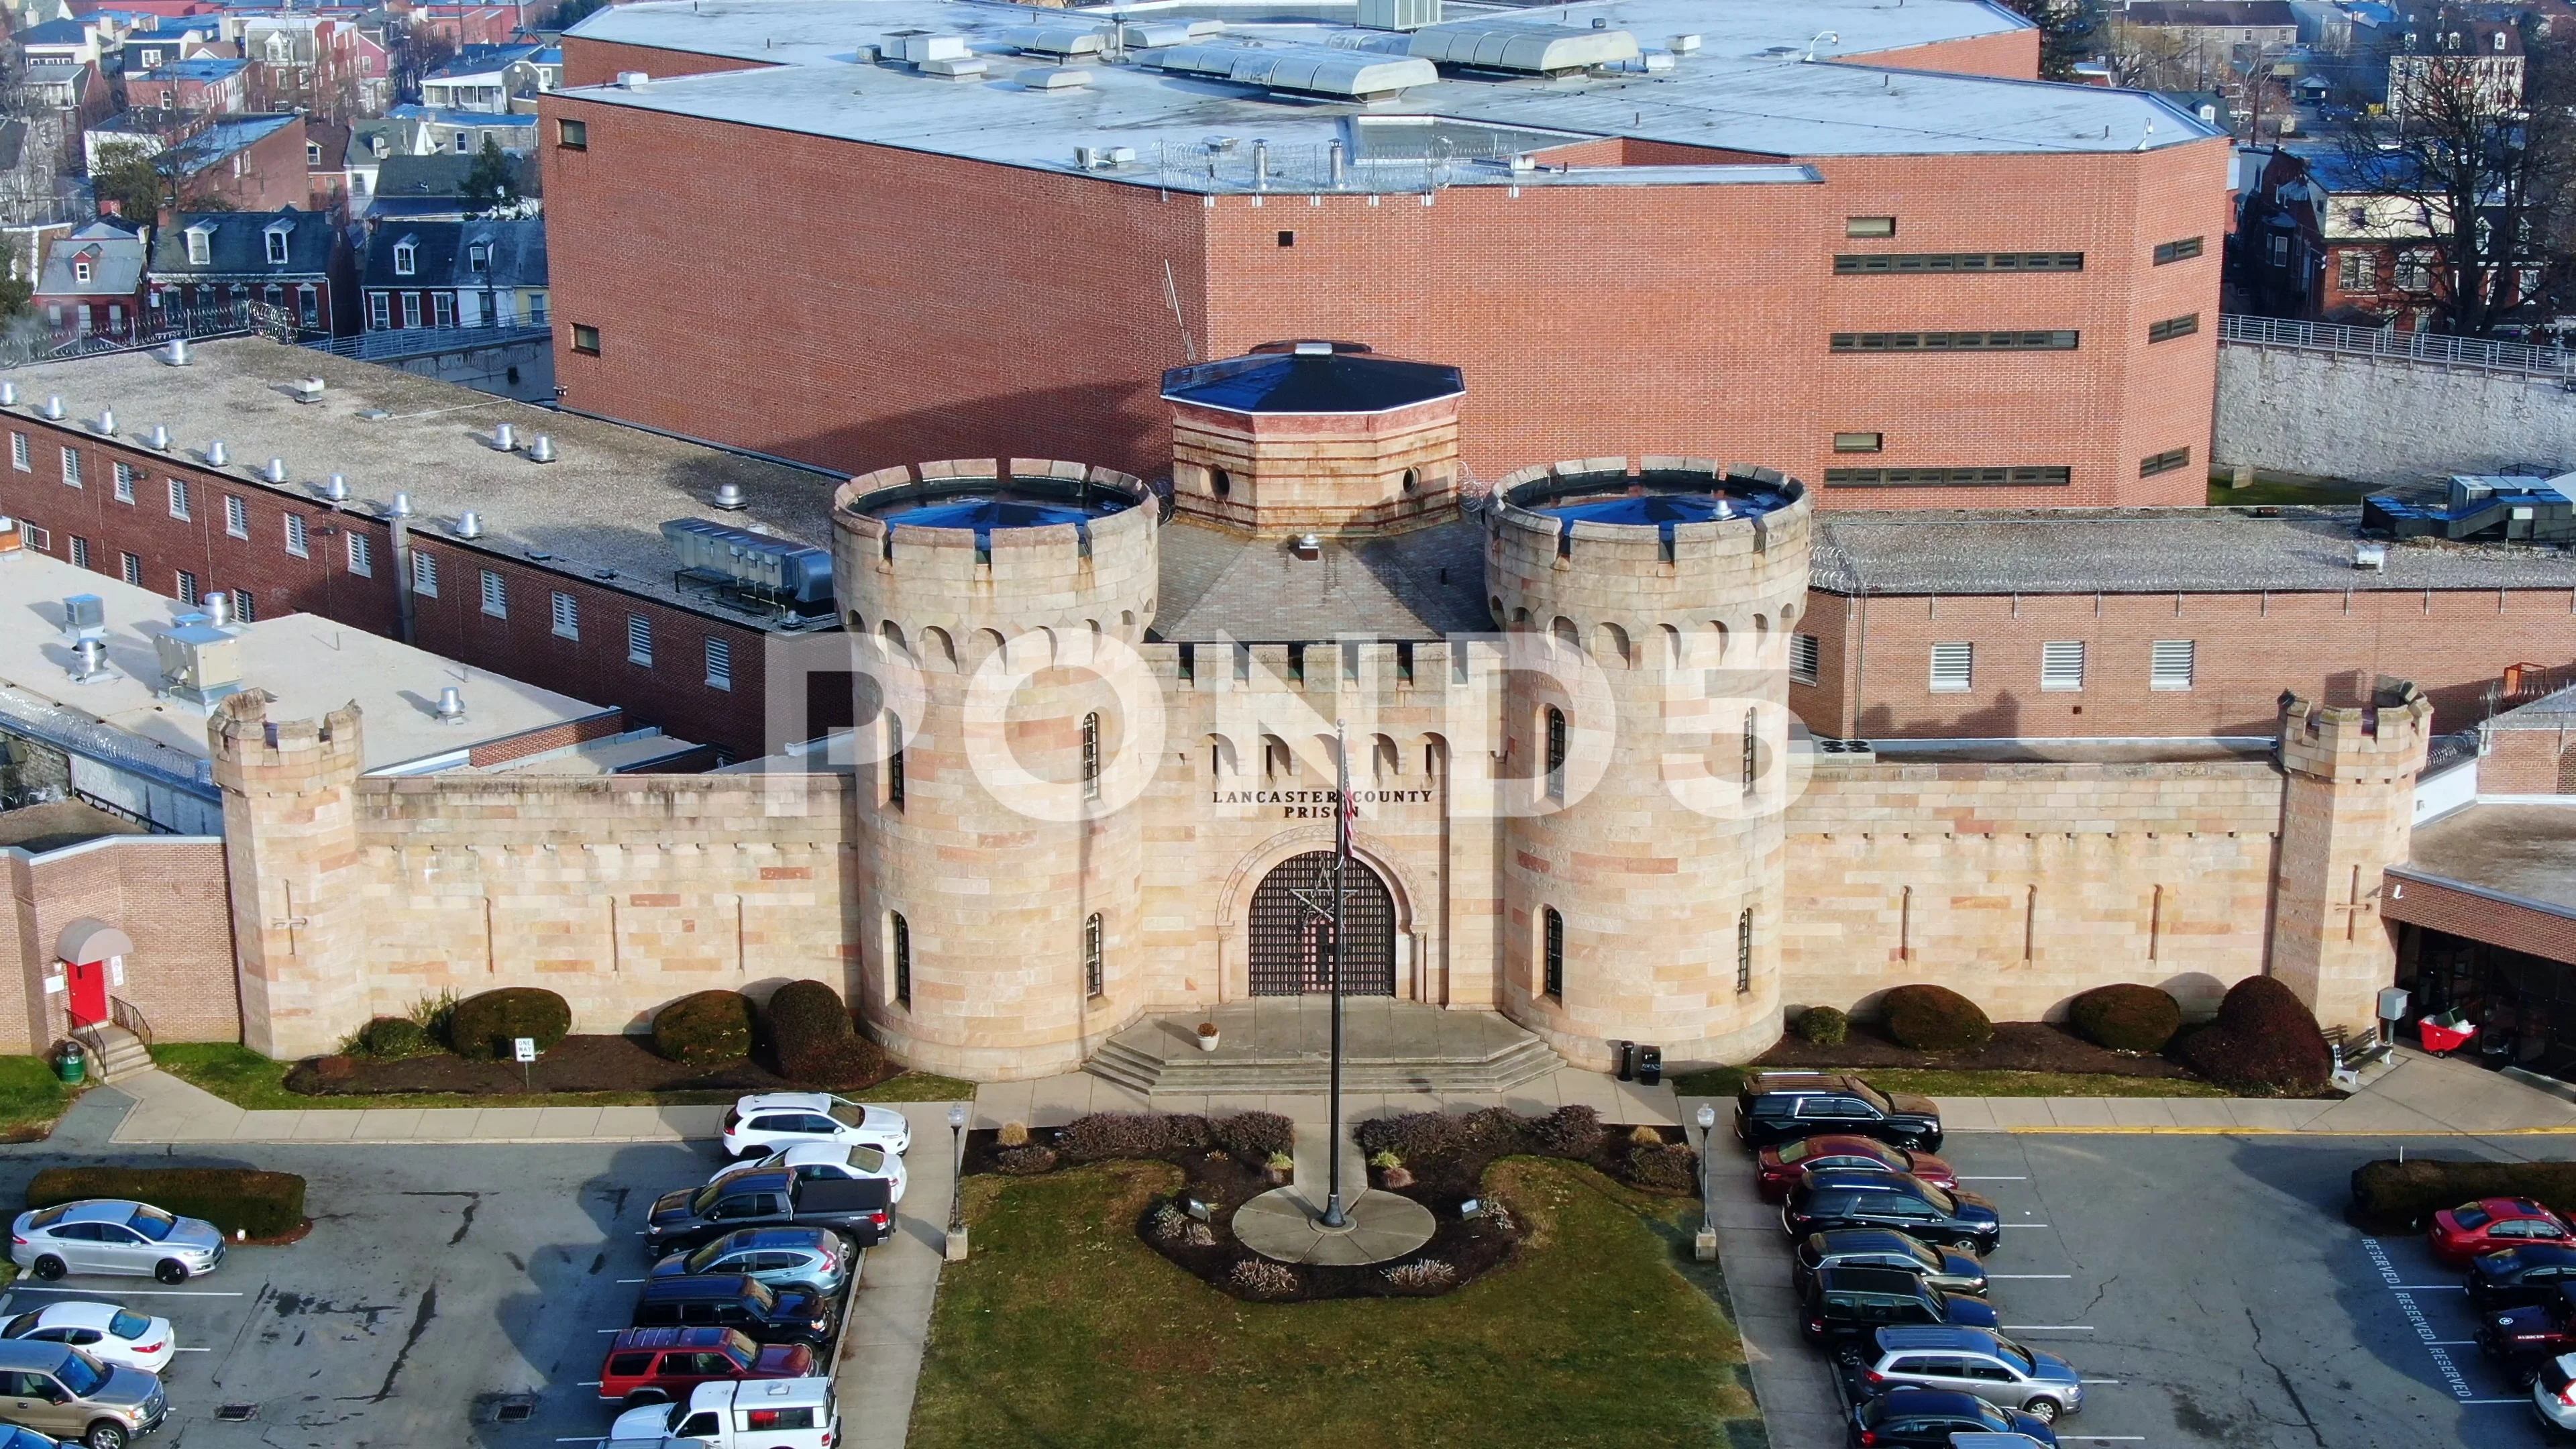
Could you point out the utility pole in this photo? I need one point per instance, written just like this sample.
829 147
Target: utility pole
1333 1217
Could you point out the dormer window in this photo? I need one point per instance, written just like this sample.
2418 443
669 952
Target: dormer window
406 254
278 232
2499 42
312 153
479 256
201 245
80 273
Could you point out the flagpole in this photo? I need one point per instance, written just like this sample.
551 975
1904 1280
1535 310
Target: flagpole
1333 1217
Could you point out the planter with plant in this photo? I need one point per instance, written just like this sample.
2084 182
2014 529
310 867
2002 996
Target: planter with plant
1207 1036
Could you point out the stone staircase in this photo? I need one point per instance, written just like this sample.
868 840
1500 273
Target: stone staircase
1282 1045
115 1053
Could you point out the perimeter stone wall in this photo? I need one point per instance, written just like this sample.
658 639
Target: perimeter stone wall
2385 420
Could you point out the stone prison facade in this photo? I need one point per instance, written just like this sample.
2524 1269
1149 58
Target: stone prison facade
1067 805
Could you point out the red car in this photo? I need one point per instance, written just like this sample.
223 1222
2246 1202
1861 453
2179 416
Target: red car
2461 1233
1779 1168
661 1365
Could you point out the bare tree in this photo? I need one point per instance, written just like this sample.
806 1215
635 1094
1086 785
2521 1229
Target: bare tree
2490 171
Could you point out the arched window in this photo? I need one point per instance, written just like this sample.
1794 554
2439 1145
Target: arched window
893 759
1555 753
1091 956
900 948
1552 956
1091 756
1744 952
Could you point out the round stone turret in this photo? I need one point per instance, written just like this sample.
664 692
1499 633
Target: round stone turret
999 932
1642 887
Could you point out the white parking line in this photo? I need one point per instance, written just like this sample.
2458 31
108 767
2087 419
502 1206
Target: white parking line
585 1439
2491 1401
2428 1288
2448 1342
587 1384
2097 1438
2025 1225
634 1280
133 1292
2027 1277
2098 1381
192 1350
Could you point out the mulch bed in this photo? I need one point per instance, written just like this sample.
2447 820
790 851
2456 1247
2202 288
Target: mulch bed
1472 1248
576 1064
2018 1046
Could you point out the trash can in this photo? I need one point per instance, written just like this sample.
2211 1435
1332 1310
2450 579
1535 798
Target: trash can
1625 1052
71 1064
1650 1066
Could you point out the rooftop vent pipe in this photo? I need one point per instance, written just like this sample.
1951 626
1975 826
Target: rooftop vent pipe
219 610
275 472
401 507
177 354
336 488
309 390
451 705
2373 556
215 453
158 438
505 438
9 393
1308 546
89 660
729 496
54 408
541 449
107 422
469 524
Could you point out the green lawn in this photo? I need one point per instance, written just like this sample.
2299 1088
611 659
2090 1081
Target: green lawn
1065 1330
246 1079
1933 1082
31 1100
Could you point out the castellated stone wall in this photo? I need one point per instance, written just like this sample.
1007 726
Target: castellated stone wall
2019 885
1664 875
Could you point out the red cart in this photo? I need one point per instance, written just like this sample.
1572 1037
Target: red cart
2441 1039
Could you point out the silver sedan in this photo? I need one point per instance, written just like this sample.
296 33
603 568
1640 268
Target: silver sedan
111 1235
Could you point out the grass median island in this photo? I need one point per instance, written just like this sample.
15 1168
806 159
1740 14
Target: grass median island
246 1079
31 1099
1064 1329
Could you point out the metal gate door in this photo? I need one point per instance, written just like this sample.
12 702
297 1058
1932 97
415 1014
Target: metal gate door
1292 946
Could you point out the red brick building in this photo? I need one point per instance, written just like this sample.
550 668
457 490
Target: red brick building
1909 288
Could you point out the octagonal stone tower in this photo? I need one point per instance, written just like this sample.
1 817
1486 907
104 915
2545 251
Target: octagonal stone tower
1642 889
1314 437
999 880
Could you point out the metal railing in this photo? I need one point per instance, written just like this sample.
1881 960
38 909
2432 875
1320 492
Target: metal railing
423 341
2555 362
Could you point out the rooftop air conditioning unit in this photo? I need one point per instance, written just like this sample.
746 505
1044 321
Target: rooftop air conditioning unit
84 617
914 49
2372 556
633 80
200 663
309 390
1398 14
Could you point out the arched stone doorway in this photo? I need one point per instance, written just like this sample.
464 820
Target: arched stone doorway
1292 945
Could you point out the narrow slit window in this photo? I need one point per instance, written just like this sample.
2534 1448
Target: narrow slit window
1552 965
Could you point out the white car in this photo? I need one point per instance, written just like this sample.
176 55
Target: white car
102 1330
771 1120
838 1160
2553 1393
750 1414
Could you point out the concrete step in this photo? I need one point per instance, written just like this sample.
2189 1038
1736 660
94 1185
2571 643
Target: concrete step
1192 1072
114 1052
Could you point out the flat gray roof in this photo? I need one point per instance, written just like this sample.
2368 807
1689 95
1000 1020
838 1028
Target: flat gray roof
594 514
2150 551
2528 851
309 664
1422 585
1747 88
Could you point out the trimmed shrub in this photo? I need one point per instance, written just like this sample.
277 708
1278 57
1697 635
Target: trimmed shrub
1254 1136
392 1038
2408 1193
1262 1278
1425 1275
1935 1019
482 1028
1574 1132
1823 1026
813 1041
1664 1167
1013 1134
234 1199
704 1029
1025 1160
1429 1136
2264 1040
2125 1017
1105 1135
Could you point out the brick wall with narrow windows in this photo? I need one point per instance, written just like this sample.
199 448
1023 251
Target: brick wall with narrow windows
983 343
294 555
1876 657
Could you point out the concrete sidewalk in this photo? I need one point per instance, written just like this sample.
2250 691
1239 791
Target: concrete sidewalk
168 1110
2416 1095
889 1322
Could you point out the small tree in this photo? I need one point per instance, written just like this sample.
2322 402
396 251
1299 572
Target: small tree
2066 31
493 181
134 178
17 279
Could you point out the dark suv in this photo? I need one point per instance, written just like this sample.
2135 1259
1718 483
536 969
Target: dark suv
768 1315
2512 1277
1946 1269
1833 1200
2521 1339
1842 1307
1784 1106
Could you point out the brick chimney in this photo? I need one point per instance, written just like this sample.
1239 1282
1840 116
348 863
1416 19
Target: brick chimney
110 206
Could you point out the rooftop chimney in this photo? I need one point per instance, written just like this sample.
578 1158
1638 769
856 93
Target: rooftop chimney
110 206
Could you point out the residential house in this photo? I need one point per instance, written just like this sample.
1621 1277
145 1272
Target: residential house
149 129
302 62
2443 51
205 85
371 143
491 78
256 163
168 43
2326 241
218 262
71 42
456 274
92 282
462 25
166 11
461 132
326 165
374 65
32 186
432 188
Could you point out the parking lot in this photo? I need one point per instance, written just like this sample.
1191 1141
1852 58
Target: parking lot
442 1290
2210 1292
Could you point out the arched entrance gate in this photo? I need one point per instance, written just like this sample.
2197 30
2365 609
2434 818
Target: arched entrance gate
1292 946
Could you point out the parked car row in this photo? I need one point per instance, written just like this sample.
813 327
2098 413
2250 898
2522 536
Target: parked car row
730 1341
1886 1254
2519 1270
90 1372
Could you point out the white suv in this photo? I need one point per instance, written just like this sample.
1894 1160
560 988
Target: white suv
840 1161
748 1414
771 1120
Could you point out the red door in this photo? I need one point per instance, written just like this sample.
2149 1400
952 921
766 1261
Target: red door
88 991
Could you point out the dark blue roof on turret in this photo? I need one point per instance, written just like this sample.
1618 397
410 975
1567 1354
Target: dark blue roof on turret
1311 377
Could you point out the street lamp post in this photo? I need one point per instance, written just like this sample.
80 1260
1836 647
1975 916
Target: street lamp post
955 1247
1704 1247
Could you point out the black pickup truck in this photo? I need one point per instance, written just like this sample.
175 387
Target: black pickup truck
861 1209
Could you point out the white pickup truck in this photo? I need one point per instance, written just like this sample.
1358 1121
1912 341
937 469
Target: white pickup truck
744 1414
